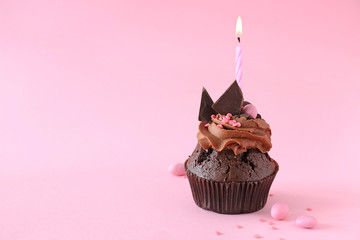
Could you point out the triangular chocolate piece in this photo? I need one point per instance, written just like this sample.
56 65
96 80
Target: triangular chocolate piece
231 101
206 109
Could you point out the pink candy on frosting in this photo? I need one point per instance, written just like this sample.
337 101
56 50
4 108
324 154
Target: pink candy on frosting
251 110
220 126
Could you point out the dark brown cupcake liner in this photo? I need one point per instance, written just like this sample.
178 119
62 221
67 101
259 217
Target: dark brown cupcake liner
230 197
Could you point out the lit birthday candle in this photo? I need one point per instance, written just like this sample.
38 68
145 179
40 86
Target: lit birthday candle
238 52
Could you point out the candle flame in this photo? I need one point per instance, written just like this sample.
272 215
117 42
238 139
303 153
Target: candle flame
238 27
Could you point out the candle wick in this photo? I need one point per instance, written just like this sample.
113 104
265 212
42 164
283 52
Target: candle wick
238 39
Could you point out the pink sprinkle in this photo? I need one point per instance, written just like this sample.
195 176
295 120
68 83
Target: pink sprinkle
309 209
229 115
220 118
274 228
232 122
271 223
271 195
220 126
262 220
281 239
225 119
206 125
218 233
257 236
213 116
185 176
239 226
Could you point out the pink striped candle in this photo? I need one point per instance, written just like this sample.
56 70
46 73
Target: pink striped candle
238 52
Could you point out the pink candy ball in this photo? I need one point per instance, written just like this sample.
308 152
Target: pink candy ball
251 110
177 169
306 221
279 211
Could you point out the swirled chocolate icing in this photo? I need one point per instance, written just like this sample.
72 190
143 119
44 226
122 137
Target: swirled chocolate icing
253 133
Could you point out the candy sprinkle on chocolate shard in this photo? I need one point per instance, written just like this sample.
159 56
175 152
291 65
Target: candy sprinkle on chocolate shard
206 109
231 101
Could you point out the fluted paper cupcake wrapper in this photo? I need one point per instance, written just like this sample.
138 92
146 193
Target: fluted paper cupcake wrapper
231 197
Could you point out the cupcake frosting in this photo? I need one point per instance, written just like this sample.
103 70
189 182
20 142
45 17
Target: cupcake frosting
235 133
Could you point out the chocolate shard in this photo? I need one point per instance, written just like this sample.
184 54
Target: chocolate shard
206 109
231 101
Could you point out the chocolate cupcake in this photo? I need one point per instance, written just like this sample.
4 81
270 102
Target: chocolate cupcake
230 170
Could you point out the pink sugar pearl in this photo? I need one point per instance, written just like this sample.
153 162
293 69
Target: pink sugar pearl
225 119
232 122
251 110
279 211
177 169
306 221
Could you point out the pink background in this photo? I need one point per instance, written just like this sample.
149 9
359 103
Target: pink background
98 98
